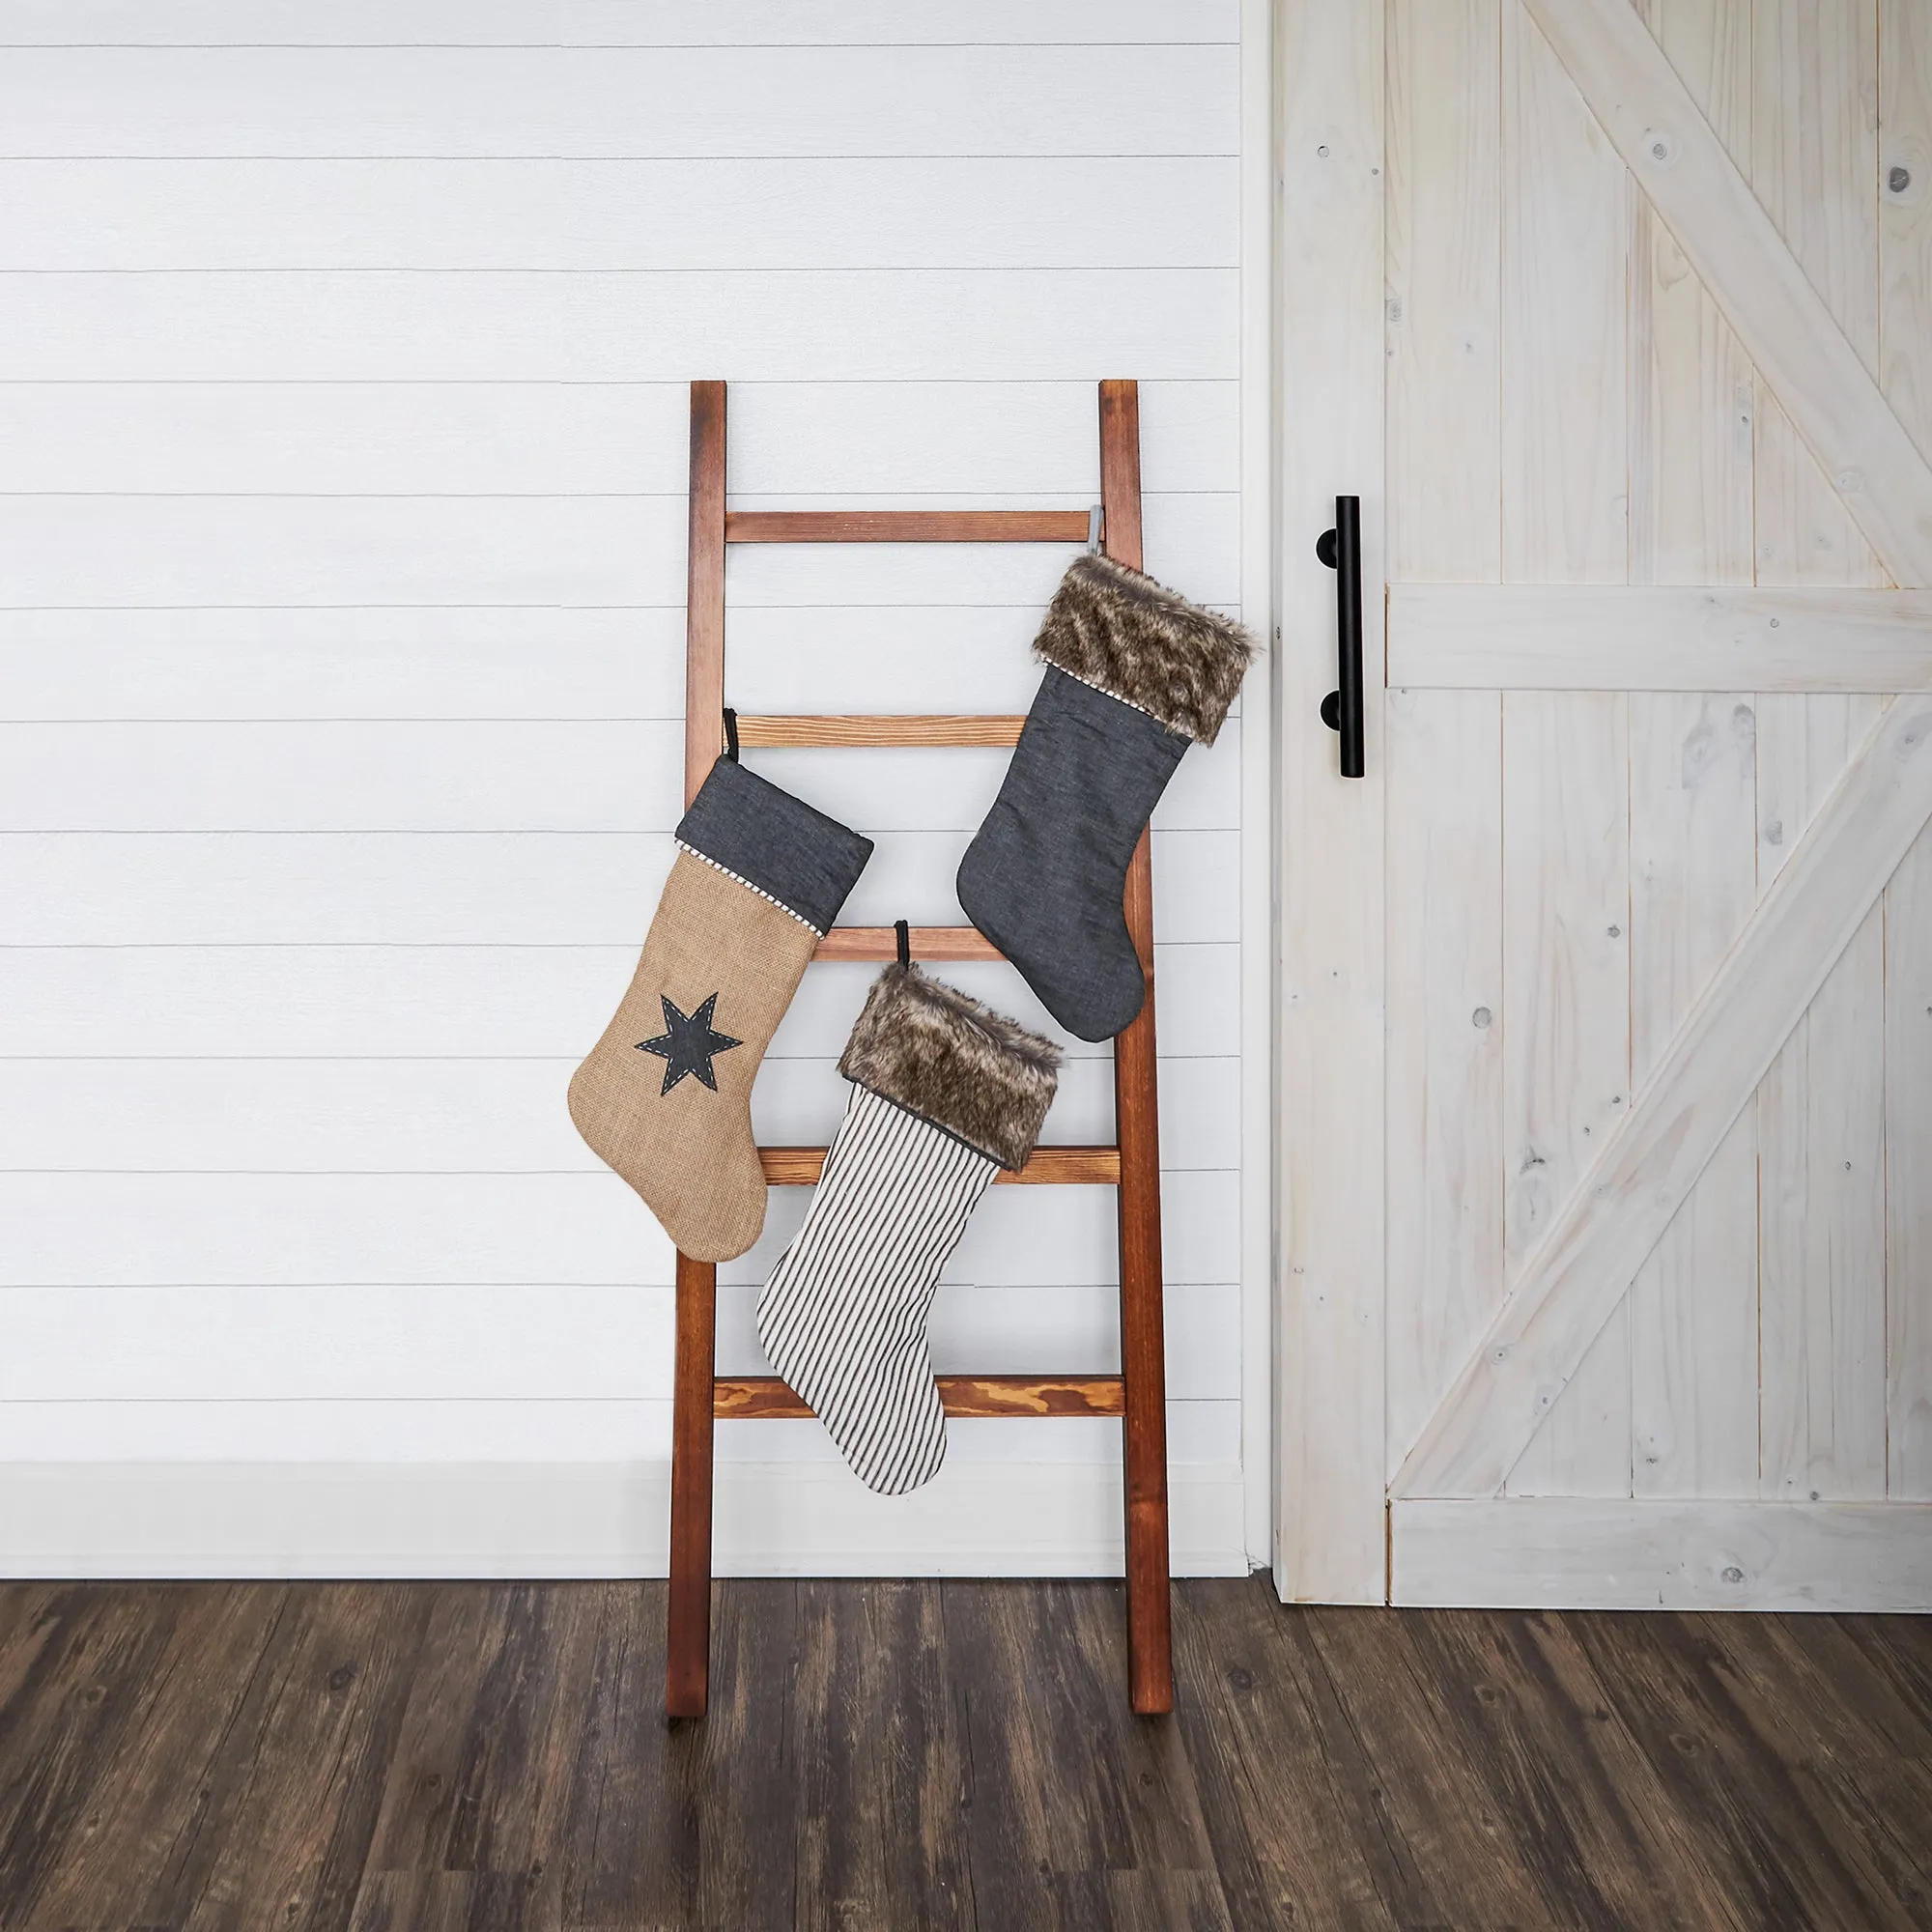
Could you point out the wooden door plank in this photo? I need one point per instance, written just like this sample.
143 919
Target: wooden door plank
1821 1139
1566 238
1702 637
1821 1107
1812 160
1445 1043
1690 393
1694 1313
1578 1277
1331 1524
1694 874
1444 323
1566 1033
1905 370
1662 1552
1905 216
1908 1147
1444 749
1785 326
1566 985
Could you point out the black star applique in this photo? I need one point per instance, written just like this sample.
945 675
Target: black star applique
688 1044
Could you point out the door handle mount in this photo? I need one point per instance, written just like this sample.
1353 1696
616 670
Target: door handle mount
1341 550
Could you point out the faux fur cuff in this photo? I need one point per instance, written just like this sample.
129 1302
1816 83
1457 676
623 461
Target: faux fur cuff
1140 641
930 1049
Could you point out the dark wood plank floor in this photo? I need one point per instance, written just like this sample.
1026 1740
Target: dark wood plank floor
429 1758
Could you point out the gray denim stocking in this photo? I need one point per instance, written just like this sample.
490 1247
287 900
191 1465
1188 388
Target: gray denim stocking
1044 876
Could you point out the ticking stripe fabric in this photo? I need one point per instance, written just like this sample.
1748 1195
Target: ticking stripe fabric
843 1318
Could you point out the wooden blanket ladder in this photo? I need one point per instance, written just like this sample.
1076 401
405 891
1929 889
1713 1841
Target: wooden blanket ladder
1132 1166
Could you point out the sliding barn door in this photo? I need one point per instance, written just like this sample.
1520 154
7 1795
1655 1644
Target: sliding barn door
1651 1246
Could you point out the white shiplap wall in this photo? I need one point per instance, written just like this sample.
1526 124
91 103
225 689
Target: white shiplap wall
342 354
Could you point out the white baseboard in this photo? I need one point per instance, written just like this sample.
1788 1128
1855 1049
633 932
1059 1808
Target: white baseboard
291 1519
1549 1553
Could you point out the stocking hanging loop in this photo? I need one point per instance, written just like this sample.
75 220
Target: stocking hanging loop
730 734
903 933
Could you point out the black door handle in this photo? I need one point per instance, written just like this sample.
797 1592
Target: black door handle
1341 550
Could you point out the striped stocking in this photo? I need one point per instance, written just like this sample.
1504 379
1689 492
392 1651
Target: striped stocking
945 1093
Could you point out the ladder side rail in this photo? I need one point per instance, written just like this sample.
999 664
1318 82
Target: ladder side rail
1137 1132
688 1611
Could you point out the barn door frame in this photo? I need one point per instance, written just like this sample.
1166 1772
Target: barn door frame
1339 1532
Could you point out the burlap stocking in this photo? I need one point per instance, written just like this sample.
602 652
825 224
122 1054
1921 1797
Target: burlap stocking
666 1096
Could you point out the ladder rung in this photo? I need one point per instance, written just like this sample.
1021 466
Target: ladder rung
927 942
764 1396
1050 1166
906 527
856 728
